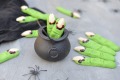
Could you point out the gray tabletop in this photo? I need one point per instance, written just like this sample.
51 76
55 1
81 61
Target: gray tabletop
99 16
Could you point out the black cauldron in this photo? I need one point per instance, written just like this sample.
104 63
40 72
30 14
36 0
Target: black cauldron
51 49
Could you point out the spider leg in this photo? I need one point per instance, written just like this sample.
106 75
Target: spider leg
32 68
35 77
26 74
36 67
67 78
38 77
30 77
43 70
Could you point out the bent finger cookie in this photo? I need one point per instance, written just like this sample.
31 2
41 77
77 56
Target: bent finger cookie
26 19
94 62
103 41
94 53
58 29
92 44
30 33
73 14
9 54
34 13
50 23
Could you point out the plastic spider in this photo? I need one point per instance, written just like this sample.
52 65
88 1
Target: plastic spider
105 1
34 72
71 32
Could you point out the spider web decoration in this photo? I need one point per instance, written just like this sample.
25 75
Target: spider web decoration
34 72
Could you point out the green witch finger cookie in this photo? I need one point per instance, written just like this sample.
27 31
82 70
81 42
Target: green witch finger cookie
26 19
103 41
50 23
94 62
92 44
58 29
30 33
34 13
73 14
9 54
94 53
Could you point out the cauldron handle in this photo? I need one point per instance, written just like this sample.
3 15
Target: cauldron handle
52 40
45 32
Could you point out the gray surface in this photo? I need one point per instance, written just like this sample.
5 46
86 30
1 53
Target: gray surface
97 17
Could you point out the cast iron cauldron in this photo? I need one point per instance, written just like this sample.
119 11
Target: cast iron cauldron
50 49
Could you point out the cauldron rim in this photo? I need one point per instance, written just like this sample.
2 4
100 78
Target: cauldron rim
64 36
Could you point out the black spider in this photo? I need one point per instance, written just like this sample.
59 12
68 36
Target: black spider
34 72
80 11
71 32
116 10
105 1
